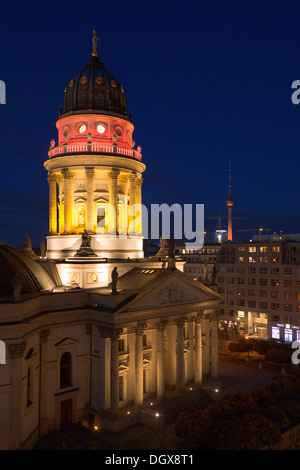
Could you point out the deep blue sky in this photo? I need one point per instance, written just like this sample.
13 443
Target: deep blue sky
206 81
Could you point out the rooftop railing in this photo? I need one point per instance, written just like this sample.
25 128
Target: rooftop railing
94 148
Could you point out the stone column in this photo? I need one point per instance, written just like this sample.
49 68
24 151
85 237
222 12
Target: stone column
113 200
139 384
180 354
68 175
214 346
198 350
132 208
160 359
205 352
60 182
16 352
89 171
123 218
43 382
138 202
114 372
105 370
190 368
52 204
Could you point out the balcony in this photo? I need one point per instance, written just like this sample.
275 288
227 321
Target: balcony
94 148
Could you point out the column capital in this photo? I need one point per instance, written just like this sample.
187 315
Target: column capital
139 181
89 172
16 351
67 174
139 329
180 321
199 318
52 178
113 174
132 177
109 332
161 325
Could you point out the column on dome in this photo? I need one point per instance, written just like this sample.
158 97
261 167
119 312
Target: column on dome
60 182
52 204
16 352
68 199
180 353
90 173
123 214
113 201
198 350
132 202
138 202
160 359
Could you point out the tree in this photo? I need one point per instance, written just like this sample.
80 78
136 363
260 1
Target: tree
278 355
233 423
241 346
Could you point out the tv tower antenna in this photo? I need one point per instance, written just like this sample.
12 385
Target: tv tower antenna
229 204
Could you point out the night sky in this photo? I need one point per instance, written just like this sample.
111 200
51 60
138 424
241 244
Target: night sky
206 81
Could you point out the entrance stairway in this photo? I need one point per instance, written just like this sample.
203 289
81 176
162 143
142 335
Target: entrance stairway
187 402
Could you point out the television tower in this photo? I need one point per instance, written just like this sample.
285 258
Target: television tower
229 204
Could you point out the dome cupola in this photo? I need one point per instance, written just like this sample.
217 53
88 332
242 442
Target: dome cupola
94 90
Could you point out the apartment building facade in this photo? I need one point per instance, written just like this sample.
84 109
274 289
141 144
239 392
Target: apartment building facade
259 281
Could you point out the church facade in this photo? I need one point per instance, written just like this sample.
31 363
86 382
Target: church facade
83 345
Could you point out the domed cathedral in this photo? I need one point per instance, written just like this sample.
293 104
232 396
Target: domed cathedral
95 175
95 334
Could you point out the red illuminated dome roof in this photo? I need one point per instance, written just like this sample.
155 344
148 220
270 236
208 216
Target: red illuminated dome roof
95 90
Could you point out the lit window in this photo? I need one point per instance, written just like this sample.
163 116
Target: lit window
100 128
82 128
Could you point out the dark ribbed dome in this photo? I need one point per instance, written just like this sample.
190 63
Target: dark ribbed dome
95 90
14 262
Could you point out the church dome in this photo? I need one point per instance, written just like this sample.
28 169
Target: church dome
95 90
13 262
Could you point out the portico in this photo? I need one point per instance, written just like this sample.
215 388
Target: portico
140 339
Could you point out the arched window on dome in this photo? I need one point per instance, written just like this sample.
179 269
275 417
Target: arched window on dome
102 218
66 370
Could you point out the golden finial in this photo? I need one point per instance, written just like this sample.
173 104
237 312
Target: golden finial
94 40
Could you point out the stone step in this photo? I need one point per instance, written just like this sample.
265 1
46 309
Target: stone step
187 402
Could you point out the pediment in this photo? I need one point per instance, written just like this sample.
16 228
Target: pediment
178 289
101 199
80 199
66 342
